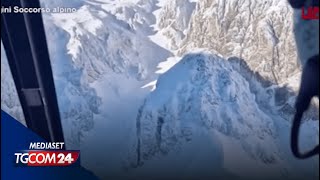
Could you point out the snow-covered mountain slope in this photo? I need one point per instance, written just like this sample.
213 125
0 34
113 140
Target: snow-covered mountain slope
9 98
258 31
99 43
95 51
205 107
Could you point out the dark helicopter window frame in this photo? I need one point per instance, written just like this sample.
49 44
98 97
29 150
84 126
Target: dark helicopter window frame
25 44
10 102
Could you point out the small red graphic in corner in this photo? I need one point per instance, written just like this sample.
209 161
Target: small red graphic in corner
311 13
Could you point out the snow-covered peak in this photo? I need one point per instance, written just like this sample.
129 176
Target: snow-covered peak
203 107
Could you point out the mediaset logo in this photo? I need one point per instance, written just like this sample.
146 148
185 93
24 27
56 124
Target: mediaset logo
46 154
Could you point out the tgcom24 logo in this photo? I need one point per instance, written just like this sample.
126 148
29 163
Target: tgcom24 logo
46 154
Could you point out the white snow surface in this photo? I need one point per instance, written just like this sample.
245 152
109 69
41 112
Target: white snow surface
204 105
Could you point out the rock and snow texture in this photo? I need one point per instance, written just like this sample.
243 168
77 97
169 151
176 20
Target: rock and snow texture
258 31
9 98
99 53
203 107
107 58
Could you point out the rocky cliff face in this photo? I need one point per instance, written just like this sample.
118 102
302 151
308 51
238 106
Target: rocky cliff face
258 31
